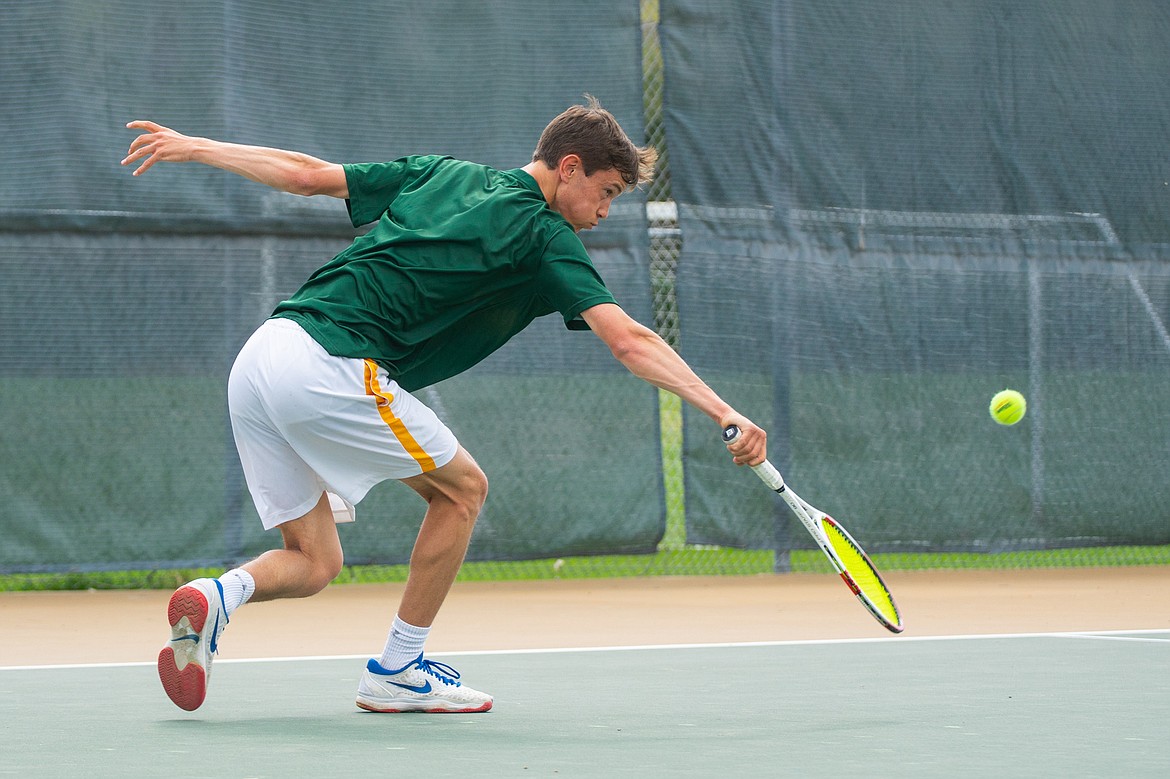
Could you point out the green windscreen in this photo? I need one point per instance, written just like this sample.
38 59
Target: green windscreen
891 211
869 218
124 300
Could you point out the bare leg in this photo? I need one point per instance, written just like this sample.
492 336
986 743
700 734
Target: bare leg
454 494
402 680
311 557
310 560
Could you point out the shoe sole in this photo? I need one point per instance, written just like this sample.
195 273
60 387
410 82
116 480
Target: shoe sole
412 709
186 686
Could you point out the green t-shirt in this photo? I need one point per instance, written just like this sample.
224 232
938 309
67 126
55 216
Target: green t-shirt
462 257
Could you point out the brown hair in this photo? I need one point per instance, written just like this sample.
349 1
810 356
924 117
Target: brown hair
592 133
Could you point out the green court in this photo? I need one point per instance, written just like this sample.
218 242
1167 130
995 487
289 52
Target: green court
1015 705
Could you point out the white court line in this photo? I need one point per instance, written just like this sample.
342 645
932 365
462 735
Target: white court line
1102 637
1117 635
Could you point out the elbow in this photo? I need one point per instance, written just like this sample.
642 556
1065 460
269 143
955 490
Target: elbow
624 351
302 182
309 176
632 349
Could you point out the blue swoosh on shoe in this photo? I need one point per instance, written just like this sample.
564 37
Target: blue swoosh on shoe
215 635
218 614
376 669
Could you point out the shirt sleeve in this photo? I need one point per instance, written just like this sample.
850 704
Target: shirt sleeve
568 282
373 186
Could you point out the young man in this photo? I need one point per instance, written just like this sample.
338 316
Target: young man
461 257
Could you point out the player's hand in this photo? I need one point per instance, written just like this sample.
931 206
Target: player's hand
157 143
752 446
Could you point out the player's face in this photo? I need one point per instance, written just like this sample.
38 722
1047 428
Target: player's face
585 200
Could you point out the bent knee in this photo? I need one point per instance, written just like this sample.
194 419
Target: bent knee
324 570
467 495
319 565
476 489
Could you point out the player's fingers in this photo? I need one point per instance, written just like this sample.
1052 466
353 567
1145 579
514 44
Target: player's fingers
137 151
150 135
751 458
144 166
142 124
153 158
150 148
751 447
142 146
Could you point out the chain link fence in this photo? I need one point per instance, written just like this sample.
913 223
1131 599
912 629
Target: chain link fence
665 247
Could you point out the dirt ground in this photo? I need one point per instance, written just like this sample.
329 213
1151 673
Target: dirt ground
48 628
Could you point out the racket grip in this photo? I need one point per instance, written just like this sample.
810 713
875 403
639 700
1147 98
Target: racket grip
765 470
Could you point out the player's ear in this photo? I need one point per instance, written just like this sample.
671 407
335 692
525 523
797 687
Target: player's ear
569 166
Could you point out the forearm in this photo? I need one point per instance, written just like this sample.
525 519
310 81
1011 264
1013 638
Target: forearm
655 362
651 359
287 171
648 357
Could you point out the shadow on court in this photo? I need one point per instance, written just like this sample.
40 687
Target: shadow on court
1071 705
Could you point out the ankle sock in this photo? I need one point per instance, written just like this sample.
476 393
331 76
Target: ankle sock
404 644
238 587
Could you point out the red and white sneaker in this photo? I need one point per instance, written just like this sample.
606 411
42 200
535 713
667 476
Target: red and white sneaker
197 616
421 685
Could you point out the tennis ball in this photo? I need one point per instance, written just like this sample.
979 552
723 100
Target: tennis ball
1008 407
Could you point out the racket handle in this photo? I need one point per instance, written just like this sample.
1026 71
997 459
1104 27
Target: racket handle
731 434
765 470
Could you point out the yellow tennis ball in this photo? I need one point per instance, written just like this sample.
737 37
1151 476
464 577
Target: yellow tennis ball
1008 407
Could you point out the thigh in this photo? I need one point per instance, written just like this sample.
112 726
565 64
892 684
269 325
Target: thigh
460 480
315 533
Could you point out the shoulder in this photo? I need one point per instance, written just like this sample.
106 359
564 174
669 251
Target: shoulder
417 163
562 239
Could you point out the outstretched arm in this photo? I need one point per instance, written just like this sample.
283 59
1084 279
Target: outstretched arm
287 171
648 357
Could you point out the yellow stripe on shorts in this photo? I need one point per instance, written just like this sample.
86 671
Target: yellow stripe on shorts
394 423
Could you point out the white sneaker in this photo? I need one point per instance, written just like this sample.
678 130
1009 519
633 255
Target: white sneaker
421 685
197 616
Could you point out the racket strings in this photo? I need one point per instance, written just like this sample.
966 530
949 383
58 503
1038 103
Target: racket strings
865 577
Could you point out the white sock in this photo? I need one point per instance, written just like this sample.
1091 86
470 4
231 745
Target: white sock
238 586
403 645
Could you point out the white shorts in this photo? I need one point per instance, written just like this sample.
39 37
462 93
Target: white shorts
306 422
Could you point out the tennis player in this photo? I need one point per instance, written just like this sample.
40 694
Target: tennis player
460 258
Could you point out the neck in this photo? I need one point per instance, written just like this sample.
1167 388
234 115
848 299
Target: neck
546 179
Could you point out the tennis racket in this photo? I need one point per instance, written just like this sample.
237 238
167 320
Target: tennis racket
848 558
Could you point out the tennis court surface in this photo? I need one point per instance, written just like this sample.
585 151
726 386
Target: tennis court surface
1092 702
